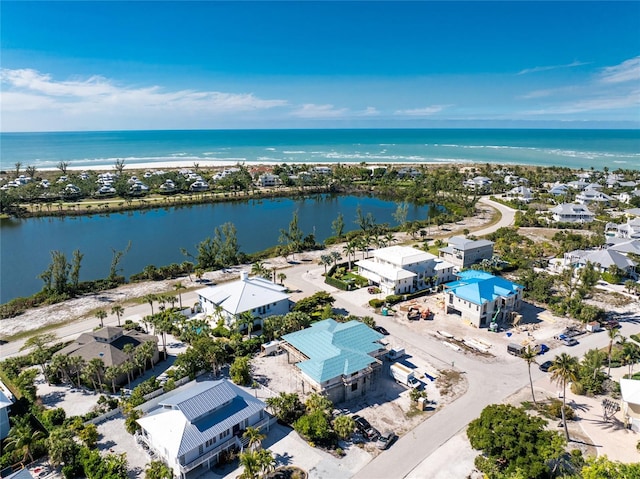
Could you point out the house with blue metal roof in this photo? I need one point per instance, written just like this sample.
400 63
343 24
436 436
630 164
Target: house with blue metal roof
339 360
480 297
189 427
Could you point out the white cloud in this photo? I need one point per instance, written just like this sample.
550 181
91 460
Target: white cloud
426 111
612 102
626 71
311 110
27 89
369 111
551 67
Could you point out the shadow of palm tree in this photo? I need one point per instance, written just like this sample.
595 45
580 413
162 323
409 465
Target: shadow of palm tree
283 459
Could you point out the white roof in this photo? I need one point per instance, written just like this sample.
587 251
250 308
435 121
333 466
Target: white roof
385 270
630 390
244 295
402 255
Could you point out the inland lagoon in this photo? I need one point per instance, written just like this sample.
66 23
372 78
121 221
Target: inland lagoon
157 236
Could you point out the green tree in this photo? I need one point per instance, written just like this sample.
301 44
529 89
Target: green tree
118 310
613 334
89 435
22 438
101 314
39 350
292 237
344 426
281 278
179 287
61 446
130 423
254 436
400 215
338 226
529 356
249 461
513 443
240 370
286 407
602 467
75 270
563 370
158 470
266 461
314 426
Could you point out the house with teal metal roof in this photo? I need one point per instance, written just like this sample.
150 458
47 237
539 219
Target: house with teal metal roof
340 360
481 298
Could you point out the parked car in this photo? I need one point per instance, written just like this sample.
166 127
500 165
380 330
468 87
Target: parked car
570 341
385 439
611 325
365 428
544 367
381 330
541 348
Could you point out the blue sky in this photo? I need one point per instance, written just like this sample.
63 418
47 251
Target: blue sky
174 65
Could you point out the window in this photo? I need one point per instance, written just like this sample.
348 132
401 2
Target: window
200 449
354 387
210 442
224 434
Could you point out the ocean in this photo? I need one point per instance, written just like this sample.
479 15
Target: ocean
94 150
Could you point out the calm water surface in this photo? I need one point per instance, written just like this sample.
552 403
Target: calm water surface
158 235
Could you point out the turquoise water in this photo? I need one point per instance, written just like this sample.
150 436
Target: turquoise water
158 235
569 148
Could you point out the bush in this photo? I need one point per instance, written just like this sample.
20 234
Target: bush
376 303
393 298
554 409
336 283
577 388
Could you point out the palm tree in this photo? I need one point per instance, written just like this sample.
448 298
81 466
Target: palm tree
60 364
179 287
246 319
266 461
150 298
111 374
613 335
529 355
158 470
335 256
564 370
94 370
249 460
77 364
101 314
349 249
254 436
281 278
325 260
118 310
22 437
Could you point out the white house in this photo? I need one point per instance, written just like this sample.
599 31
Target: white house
630 229
477 182
572 213
479 297
267 179
258 296
403 269
463 252
6 400
627 196
189 427
559 189
591 195
601 259
520 193
630 392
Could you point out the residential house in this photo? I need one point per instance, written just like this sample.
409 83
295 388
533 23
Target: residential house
572 213
627 196
463 252
520 193
403 269
478 182
559 189
601 259
267 180
480 297
339 360
107 343
630 229
591 195
321 170
257 296
630 392
190 427
6 401
623 245
578 184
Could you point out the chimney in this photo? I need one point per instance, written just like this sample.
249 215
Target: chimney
244 276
